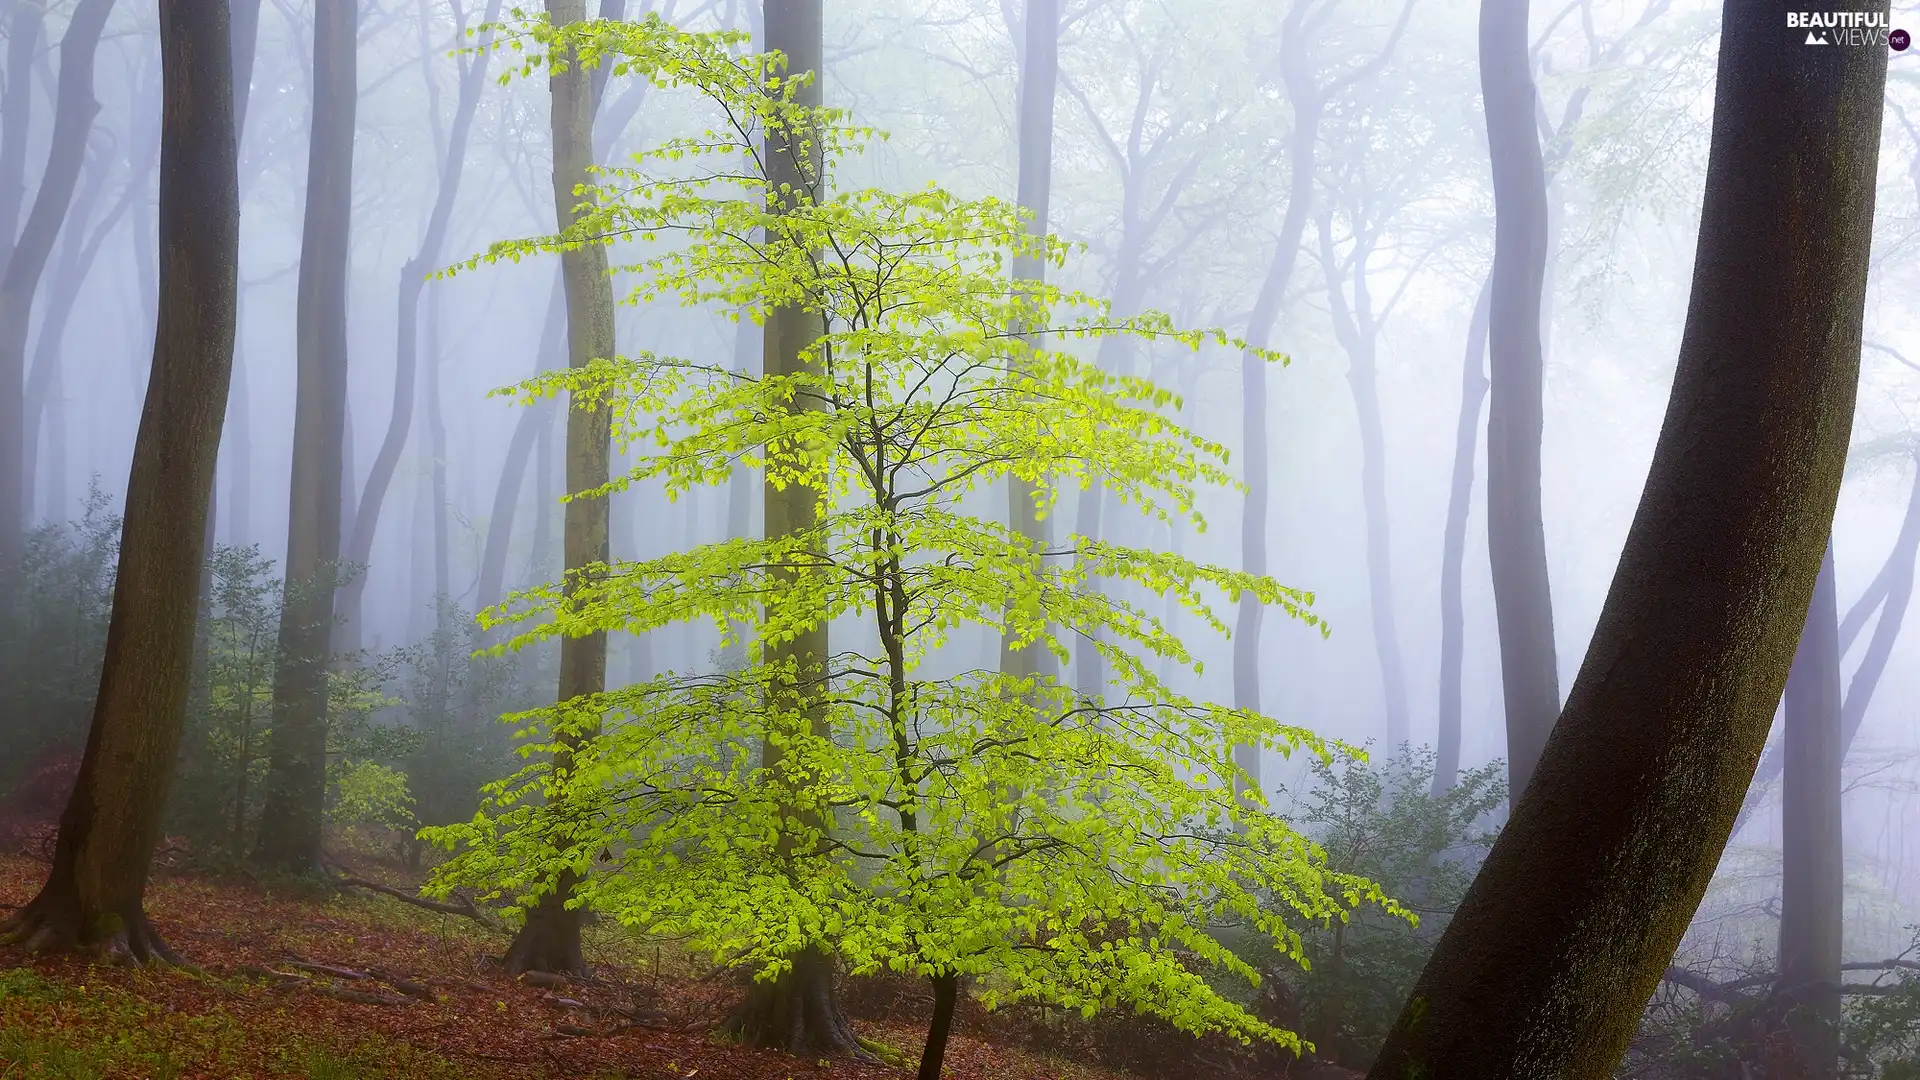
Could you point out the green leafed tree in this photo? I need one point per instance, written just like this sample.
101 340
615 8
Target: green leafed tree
886 806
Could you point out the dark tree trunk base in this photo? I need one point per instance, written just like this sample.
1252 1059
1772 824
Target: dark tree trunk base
946 991
548 941
797 1013
54 922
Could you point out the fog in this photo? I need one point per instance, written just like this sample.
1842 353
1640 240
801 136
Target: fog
1172 162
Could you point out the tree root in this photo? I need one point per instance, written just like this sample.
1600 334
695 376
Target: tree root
46 925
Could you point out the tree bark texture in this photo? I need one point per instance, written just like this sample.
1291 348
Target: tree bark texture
946 992
73 112
550 939
291 821
94 894
1453 545
1516 533
1576 913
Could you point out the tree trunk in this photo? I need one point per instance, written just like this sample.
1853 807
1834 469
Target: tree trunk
946 991
1893 586
73 113
1359 336
550 939
290 823
413 281
1453 619
520 446
1516 535
1813 871
798 1012
24 31
1304 96
94 894
1039 80
1574 916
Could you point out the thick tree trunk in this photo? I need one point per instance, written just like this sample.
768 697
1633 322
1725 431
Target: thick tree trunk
946 991
1453 547
94 894
73 113
1893 587
798 1012
1813 874
550 939
1039 79
413 282
290 824
1576 913
1516 534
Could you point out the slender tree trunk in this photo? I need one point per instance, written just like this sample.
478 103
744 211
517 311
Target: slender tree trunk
1516 534
94 893
1039 78
797 1011
240 483
290 823
69 273
24 32
1359 335
437 454
1453 618
413 281
946 991
520 446
1305 98
73 113
239 464
1813 876
550 938
1574 916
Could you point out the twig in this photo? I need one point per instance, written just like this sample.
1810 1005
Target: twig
464 907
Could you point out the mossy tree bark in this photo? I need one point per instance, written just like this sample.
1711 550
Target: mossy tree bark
94 894
1576 913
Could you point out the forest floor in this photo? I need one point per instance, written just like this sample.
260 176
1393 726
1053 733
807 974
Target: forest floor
342 986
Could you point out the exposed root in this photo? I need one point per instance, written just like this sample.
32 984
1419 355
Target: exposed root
46 925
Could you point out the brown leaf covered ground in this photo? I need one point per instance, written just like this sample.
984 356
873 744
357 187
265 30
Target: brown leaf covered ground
332 985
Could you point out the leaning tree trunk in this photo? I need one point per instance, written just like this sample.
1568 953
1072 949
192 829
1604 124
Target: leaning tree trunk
1516 535
73 112
550 938
1813 874
94 893
946 991
1039 78
24 28
1453 547
413 280
797 1011
290 823
1893 588
1580 904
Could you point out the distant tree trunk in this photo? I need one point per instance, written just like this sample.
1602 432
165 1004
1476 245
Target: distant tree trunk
1359 335
69 273
1813 870
1567 928
1453 553
520 446
413 281
1516 534
437 459
550 938
1039 79
239 464
796 1012
24 31
291 821
73 112
94 893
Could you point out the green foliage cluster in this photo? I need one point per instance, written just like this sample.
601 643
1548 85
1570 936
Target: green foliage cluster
1052 845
